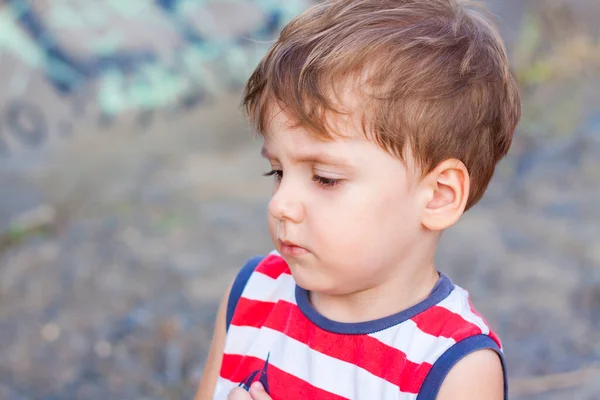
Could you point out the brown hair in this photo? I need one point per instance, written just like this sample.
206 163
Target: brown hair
436 71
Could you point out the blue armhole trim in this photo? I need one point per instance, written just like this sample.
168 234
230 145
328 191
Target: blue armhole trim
437 374
238 287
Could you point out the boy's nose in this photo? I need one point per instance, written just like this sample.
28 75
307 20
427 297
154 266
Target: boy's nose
286 204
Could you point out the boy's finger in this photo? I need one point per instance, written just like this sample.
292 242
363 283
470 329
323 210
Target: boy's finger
258 392
239 394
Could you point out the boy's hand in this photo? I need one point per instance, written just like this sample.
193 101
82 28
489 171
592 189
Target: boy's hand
256 393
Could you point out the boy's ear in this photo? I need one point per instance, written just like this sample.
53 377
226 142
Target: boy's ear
447 187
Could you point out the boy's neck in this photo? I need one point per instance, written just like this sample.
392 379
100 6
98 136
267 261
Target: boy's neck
405 289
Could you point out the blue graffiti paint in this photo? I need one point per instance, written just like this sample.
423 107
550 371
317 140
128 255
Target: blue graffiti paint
169 6
68 73
137 80
188 32
65 71
272 24
62 70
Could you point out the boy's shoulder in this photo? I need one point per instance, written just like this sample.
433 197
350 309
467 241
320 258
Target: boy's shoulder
456 317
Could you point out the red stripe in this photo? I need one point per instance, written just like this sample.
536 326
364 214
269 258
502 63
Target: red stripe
492 335
495 338
282 385
439 321
251 312
364 351
273 266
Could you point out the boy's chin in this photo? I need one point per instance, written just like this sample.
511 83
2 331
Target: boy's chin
313 281
305 276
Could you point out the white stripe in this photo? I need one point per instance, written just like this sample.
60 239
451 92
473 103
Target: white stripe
470 315
418 346
458 303
320 370
240 339
264 288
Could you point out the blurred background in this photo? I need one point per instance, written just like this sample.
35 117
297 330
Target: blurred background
130 194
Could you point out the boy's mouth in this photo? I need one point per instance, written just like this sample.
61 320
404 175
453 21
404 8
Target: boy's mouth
291 249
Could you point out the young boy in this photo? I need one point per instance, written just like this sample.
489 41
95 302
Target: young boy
383 121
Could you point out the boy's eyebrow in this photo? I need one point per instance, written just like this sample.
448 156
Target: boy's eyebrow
316 157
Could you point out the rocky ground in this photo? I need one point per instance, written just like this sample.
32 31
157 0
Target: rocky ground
116 244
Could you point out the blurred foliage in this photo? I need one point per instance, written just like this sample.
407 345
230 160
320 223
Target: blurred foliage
556 59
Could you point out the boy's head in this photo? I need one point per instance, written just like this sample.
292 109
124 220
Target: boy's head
387 118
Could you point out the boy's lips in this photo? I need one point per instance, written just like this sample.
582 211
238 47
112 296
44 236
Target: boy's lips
291 249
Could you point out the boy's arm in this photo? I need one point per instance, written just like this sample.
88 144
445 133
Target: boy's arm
215 354
478 376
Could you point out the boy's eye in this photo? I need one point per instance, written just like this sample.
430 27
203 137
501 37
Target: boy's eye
277 173
326 182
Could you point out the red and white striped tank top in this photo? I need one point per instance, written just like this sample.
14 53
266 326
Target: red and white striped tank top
275 336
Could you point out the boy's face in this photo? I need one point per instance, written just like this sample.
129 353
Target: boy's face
344 214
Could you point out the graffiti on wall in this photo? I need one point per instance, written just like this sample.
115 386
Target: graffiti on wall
140 56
